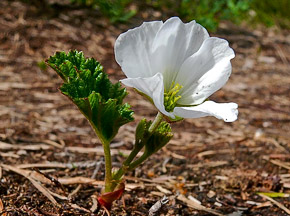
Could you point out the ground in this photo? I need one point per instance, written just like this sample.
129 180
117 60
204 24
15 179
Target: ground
45 141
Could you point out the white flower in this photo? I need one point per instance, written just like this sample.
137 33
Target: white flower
178 66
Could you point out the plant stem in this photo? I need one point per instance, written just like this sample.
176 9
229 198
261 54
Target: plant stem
127 162
158 119
108 159
127 165
155 123
108 166
138 161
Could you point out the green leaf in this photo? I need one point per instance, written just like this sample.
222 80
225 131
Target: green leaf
89 87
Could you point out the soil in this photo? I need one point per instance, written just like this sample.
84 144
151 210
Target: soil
45 141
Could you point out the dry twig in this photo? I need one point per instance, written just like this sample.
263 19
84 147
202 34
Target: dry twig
196 206
281 206
32 147
36 184
277 162
98 151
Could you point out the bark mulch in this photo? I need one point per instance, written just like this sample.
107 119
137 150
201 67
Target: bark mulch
51 162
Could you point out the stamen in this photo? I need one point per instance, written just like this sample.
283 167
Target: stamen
171 97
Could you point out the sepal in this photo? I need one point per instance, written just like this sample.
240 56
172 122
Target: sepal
141 131
153 141
160 137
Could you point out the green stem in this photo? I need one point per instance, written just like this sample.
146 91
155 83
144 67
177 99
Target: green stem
155 123
158 119
127 162
138 161
108 159
127 165
108 166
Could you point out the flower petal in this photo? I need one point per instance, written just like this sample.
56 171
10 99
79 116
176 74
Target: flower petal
175 42
152 87
206 71
226 111
132 50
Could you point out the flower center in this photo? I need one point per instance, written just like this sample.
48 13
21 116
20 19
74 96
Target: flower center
171 97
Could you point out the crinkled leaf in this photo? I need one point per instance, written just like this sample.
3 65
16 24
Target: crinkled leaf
89 87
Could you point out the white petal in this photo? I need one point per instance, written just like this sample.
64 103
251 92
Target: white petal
206 71
207 85
175 42
152 87
132 50
226 111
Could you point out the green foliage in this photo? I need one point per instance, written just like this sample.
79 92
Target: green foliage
210 12
160 137
206 12
115 10
86 84
152 141
141 132
271 12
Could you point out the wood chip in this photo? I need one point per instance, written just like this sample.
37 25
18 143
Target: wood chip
224 178
98 151
218 204
75 206
42 165
9 154
280 163
213 152
264 204
32 147
211 194
281 206
163 190
157 193
252 202
71 165
174 155
208 164
79 180
55 144
74 192
258 204
194 200
196 206
57 195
